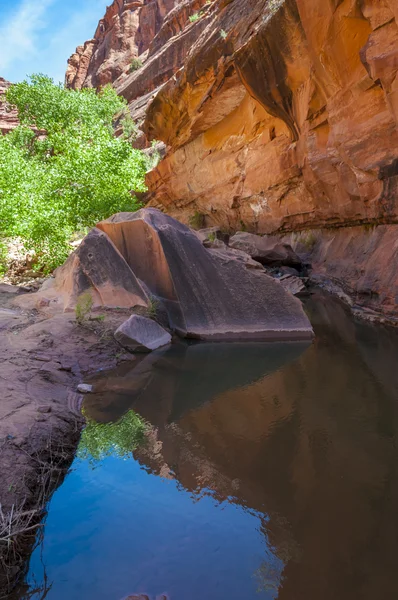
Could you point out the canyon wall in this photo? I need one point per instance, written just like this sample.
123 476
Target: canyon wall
8 118
278 116
284 117
129 29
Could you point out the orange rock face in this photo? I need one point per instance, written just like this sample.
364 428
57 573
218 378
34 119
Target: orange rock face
284 117
8 118
277 115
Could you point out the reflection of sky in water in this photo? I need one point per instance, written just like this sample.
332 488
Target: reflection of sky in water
116 530
298 445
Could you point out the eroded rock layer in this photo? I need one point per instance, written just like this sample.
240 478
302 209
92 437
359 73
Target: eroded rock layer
8 117
284 120
360 261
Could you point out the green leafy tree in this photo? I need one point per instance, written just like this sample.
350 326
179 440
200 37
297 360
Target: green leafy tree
119 439
63 169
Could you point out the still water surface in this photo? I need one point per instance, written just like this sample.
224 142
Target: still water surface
265 471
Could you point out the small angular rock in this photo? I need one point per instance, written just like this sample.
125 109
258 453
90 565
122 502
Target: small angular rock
84 388
140 334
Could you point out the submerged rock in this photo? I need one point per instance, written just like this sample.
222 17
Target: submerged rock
206 295
268 250
140 334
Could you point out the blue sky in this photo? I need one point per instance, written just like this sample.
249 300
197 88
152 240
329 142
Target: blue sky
38 36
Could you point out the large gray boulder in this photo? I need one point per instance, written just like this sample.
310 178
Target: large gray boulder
268 249
140 334
206 295
96 268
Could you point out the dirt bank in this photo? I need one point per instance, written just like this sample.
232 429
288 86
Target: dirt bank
43 357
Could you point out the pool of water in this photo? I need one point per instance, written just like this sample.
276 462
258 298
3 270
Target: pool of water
235 472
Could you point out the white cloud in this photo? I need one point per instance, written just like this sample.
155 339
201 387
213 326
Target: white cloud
40 35
19 34
80 27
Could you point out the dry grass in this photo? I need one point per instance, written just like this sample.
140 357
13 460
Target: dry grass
21 525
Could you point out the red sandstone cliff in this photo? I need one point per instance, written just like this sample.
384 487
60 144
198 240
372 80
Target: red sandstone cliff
8 118
129 29
279 115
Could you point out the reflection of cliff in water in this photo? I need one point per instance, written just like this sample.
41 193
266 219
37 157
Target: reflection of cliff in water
308 440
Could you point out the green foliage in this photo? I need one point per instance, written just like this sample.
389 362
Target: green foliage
3 257
309 241
135 64
197 220
154 156
274 5
152 310
68 175
194 17
100 440
223 34
130 129
83 308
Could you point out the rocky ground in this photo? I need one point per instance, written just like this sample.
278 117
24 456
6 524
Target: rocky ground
43 359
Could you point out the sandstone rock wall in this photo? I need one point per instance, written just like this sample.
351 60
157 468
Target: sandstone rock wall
129 29
284 117
360 261
8 118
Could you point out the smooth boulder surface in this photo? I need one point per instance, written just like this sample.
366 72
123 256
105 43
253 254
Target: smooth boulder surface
206 295
268 250
140 334
98 268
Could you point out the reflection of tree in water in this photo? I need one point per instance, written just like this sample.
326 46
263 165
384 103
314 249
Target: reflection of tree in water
269 576
119 439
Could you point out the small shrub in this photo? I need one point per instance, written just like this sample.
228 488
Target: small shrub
152 309
83 308
274 5
135 64
197 221
212 237
309 241
154 157
223 34
130 129
194 17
